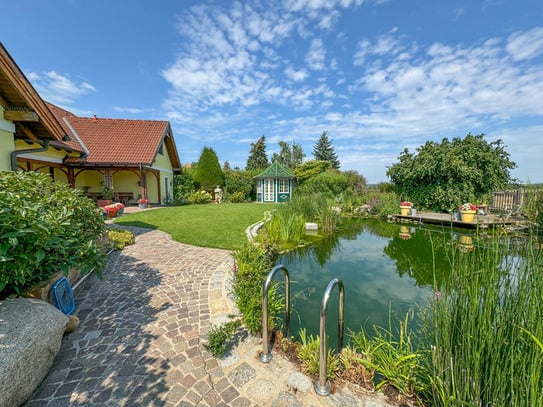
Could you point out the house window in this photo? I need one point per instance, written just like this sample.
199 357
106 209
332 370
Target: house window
283 186
161 149
107 179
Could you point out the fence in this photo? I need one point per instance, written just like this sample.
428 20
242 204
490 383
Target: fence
507 200
512 200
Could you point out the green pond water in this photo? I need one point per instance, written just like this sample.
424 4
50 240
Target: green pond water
387 270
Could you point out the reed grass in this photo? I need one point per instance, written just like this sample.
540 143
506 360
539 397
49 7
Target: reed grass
485 329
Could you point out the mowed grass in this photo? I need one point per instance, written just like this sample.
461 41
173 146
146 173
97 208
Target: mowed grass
219 226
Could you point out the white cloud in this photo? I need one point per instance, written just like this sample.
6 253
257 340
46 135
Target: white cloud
525 45
316 55
296 75
249 70
131 110
59 88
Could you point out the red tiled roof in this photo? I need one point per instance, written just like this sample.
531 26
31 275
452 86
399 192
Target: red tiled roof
59 114
114 141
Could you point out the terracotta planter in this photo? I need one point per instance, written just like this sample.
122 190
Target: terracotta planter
104 202
467 216
404 210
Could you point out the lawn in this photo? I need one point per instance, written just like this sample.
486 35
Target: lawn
219 226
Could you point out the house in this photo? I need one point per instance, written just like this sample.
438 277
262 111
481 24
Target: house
131 158
26 123
274 184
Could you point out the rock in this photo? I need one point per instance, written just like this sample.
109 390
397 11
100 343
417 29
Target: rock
30 337
72 324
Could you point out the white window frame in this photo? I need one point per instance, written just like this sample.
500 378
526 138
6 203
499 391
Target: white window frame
284 186
269 187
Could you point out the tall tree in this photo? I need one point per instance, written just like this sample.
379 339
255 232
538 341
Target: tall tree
257 156
208 172
289 156
442 176
324 151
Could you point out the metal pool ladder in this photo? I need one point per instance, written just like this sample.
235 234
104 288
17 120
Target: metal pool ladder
265 355
322 386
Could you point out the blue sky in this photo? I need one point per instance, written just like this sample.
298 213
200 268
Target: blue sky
377 75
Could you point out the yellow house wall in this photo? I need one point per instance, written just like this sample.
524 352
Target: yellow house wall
91 179
164 165
6 147
7 144
126 181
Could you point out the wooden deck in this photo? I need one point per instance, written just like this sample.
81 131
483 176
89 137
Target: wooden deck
445 219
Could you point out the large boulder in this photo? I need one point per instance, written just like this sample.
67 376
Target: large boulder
30 337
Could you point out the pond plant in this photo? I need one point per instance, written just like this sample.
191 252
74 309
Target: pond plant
485 327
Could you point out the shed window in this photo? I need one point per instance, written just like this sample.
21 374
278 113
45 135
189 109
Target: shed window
283 186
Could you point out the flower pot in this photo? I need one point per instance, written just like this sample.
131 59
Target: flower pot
404 233
467 216
142 205
104 202
405 210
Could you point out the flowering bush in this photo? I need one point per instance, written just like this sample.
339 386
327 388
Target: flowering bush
118 205
143 201
201 197
111 210
467 207
406 203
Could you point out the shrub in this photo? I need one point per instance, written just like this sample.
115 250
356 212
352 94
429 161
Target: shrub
219 336
200 197
253 265
184 186
120 238
330 183
237 197
46 227
238 185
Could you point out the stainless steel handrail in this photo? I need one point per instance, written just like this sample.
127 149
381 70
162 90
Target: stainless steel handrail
265 355
322 386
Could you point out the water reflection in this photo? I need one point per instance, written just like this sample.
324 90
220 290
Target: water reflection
387 269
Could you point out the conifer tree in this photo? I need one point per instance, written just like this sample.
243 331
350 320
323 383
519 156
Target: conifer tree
324 151
208 171
257 156
289 156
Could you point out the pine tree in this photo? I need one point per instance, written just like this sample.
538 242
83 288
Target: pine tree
208 171
324 151
257 156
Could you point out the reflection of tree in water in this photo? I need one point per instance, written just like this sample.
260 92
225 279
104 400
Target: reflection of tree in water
321 250
425 256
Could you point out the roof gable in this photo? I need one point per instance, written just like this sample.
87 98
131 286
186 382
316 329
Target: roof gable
18 94
276 170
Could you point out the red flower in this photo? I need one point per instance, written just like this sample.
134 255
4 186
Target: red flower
405 203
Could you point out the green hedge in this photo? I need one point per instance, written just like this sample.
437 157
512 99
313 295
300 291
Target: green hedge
45 227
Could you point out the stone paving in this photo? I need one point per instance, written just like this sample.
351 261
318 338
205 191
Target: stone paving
142 332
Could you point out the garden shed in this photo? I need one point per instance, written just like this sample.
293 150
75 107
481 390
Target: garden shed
274 184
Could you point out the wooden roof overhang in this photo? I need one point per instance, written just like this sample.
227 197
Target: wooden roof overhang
23 106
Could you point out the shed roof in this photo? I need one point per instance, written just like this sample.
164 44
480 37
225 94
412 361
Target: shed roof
276 170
